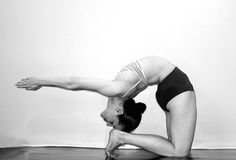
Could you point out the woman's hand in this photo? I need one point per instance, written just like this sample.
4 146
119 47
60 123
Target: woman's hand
31 83
114 142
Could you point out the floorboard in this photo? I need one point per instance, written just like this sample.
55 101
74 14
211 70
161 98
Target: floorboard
71 153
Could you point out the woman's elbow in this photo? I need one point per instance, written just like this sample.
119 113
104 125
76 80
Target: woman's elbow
111 91
72 83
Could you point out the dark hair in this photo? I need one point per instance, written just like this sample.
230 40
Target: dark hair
132 114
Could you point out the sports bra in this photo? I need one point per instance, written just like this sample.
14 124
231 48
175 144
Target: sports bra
138 70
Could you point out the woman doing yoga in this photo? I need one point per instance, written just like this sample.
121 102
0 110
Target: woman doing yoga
175 95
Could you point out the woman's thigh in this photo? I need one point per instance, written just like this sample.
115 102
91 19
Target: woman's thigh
183 115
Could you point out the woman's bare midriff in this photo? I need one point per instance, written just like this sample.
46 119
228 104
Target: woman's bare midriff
156 69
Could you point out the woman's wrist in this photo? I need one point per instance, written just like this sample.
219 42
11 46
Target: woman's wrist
42 82
45 82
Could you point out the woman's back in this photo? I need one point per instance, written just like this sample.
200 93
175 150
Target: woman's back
143 73
155 68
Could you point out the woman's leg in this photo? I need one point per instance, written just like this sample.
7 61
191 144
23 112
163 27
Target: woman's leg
182 126
183 113
168 125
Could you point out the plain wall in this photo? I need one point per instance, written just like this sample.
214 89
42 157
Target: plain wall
95 39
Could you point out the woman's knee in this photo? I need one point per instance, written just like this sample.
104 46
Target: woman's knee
181 152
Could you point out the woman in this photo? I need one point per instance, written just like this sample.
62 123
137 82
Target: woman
175 96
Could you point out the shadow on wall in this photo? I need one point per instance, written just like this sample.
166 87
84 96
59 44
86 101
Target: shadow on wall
8 141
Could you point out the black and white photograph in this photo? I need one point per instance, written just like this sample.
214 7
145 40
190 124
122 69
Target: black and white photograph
117 79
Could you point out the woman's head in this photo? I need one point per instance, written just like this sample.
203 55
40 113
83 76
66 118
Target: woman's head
123 115
132 115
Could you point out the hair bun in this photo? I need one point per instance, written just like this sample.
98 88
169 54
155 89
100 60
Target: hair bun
141 107
134 108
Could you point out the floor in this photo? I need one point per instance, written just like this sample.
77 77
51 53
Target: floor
70 153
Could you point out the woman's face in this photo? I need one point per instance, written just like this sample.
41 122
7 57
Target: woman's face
110 114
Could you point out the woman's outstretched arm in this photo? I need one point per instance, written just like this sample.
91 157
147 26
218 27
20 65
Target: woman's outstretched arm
104 87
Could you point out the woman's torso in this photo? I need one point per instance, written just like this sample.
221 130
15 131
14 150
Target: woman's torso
154 69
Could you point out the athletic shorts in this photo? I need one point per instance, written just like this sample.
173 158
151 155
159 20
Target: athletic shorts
174 84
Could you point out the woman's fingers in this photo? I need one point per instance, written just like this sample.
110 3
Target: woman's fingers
113 144
33 87
23 84
107 151
108 154
110 150
24 80
28 84
111 155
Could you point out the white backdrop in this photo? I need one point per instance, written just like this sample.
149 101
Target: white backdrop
95 39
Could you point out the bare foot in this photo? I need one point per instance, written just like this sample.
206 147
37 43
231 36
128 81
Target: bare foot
115 141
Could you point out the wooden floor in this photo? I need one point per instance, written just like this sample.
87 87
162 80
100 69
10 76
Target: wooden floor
70 153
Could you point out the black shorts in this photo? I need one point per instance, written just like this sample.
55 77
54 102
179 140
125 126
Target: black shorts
175 83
